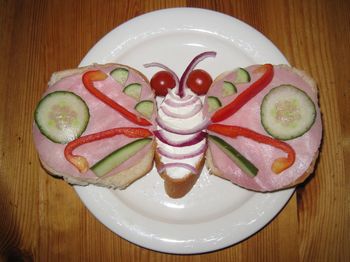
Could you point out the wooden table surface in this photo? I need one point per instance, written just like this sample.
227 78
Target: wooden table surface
43 218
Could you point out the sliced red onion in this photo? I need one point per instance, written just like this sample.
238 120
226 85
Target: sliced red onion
183 165
190 131
189 69
197 108
183 99
188 142
180 104
197 152
155 64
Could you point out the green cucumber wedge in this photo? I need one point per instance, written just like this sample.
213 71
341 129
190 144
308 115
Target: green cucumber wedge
213 103
287 112
119 156
242 76
133 90
145 108
120 75
62 116
244 164
228 89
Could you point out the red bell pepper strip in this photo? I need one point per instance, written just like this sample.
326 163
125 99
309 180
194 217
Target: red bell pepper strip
280 164
98 75
80 162
245 96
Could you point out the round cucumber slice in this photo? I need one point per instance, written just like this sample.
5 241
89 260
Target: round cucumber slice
287 112
62 116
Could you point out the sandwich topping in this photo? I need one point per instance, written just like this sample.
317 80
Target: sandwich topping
260 125
176 114
181 120
278 130
86 120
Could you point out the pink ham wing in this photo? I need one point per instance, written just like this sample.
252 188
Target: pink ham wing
102 118
306 146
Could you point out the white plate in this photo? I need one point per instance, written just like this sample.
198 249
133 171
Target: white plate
215 214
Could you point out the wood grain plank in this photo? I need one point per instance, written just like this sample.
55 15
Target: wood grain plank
18 181
44 220
320 205
156 5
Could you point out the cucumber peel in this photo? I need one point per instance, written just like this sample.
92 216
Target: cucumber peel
145 108
120 75
243 163
119 156
133 90
287 112
228 89
242 76
213 103
62 116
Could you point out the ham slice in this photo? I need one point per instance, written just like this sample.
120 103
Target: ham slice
102 117
261 155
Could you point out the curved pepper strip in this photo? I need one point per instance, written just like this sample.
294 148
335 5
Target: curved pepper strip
279 164
245 96
80 162
98 75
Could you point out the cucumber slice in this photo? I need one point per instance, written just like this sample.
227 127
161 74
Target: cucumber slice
145 108
242 76
119 156
244 164
228 89
62 116
133 90
120 75
213 103
287 112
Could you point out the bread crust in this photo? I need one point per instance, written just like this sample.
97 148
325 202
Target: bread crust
177 188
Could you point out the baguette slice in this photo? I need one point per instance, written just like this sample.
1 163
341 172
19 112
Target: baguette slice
51 154
177 188
305 146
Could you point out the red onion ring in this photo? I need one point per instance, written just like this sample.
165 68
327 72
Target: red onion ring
180 104
197 108
189 142
155 64
190 131
197 152
189 69
183 165
182 99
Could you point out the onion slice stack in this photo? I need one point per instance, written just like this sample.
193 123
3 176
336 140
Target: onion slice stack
178 131
184 102
181 105
187 142
167 154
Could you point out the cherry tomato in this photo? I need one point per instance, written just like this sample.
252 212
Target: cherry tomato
199 81
161 82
